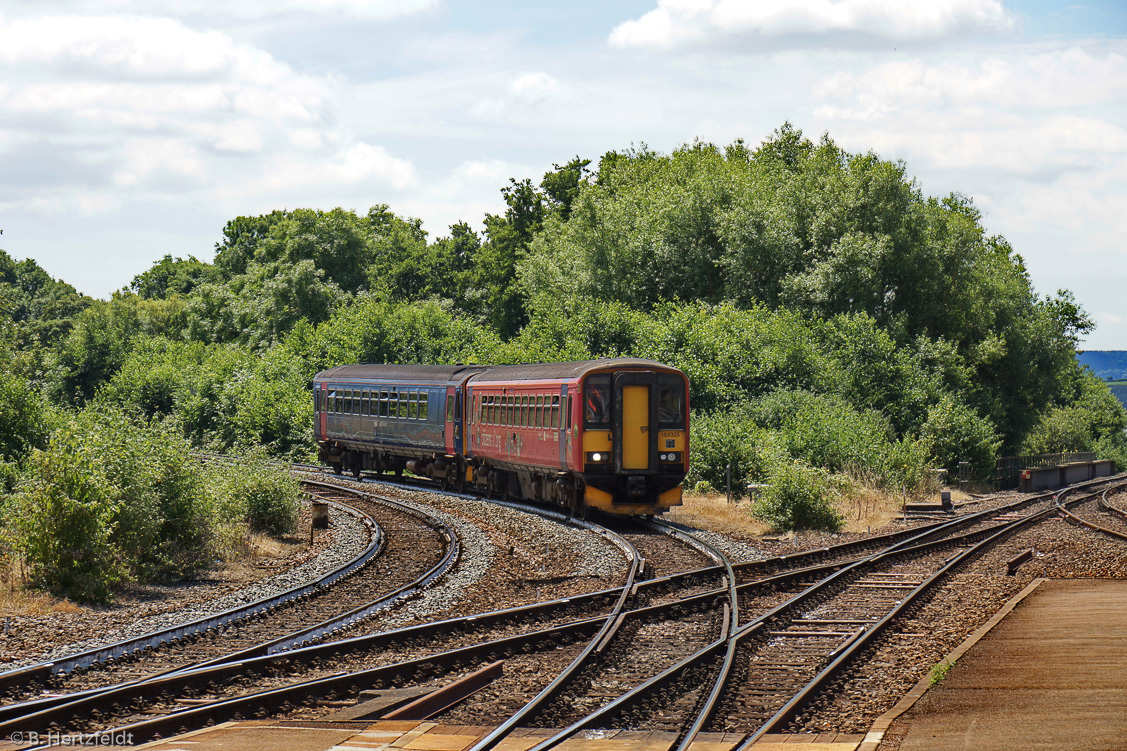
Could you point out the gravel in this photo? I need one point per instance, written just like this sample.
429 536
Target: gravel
349 538
736 550
490 533
968 599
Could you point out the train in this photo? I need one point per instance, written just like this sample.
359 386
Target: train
609 434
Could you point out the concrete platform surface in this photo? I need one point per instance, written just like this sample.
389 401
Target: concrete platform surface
1051 675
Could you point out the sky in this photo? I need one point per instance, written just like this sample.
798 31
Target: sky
130 130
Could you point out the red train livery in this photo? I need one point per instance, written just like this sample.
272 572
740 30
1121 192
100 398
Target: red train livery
611 434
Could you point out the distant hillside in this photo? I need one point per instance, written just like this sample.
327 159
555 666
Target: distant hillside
1120 391
1110 364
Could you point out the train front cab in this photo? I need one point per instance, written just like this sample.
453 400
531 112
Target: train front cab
635 440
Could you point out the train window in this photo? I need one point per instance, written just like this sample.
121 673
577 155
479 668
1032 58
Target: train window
393 404
347 402
424 404
596 411
403 405
538 418
338 402
523 418
671 402
449 408
413 405
493 418
511 412
365 399
331 401
555 411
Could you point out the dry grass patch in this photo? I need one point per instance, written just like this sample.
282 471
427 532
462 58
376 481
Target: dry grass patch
712 512
22 602
864 508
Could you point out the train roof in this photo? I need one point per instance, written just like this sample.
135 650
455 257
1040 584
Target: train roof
524 372
397 372
562 370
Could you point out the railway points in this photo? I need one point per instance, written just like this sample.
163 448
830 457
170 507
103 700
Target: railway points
745 612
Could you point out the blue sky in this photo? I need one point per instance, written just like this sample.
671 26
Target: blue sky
132 129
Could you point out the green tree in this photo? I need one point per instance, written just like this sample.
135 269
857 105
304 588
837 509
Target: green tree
172 276
25 420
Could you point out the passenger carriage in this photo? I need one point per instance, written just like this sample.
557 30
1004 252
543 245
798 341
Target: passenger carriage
610 434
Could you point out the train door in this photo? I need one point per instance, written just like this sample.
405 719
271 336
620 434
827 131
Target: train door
459 421
559 413
635 422
451 447
322 427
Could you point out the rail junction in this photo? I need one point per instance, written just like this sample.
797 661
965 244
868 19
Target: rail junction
686 649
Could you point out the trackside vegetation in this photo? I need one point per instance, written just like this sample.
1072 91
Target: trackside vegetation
842 331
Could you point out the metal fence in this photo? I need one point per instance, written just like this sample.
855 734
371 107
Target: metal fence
1007 471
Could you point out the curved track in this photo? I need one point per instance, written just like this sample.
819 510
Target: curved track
765 639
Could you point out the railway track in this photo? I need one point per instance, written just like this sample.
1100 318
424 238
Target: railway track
789 654
408 550
766 637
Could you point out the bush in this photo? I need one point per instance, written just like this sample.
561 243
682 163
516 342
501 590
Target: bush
62 521
25 417
797 497
824 430
724 438
9 474
110 500
954 432
263 495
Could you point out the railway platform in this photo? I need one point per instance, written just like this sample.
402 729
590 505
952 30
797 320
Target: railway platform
1050 675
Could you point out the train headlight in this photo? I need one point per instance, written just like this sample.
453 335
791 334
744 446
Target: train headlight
672 456
598 457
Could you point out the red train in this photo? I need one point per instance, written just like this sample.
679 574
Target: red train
611 434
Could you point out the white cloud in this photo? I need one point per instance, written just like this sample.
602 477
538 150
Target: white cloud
526 93
154 108
1040 112
534 88
1056 78
679 22
247 9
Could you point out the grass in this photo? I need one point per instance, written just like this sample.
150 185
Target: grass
711 511
862 507
16 601
940 670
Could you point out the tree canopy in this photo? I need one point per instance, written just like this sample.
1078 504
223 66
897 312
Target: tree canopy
833 318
